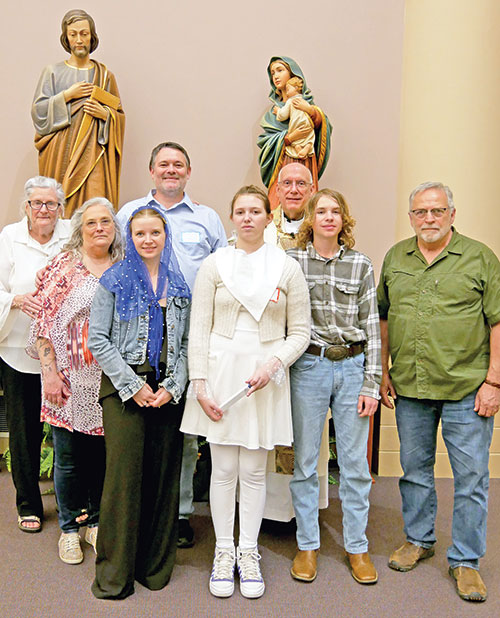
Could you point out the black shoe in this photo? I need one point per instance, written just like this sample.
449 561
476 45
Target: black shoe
186 534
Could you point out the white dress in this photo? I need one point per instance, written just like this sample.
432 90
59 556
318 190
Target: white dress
263 419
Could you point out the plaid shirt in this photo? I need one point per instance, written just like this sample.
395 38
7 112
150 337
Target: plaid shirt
344 305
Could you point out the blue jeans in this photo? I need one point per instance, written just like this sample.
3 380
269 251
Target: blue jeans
467 437
317 384
79 465
189 459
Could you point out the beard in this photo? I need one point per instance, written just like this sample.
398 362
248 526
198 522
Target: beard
433 235
80 52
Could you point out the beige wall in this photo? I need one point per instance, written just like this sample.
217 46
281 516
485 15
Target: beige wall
195 72
450 131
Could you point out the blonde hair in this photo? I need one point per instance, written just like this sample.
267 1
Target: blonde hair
296 82
306 234
148 212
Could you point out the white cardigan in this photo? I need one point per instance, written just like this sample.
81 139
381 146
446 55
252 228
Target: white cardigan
214 309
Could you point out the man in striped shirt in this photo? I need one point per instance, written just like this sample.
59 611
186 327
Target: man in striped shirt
341 369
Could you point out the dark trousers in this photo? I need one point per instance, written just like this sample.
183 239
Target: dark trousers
79 463
22 395
139 508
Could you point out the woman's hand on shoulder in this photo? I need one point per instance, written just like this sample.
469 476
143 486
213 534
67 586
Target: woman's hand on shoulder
144 397
210 408
162 396
27 303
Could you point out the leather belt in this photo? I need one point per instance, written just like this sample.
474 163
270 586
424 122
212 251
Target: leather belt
336 352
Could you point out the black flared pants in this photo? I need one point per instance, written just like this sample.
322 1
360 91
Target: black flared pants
138 528
22 395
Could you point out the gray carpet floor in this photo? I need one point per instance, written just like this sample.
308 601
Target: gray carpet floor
34 582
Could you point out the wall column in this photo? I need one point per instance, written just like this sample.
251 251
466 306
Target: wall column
450 132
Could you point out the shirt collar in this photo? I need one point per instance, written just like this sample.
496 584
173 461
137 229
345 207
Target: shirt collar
25 237
186 201
454 246
312 253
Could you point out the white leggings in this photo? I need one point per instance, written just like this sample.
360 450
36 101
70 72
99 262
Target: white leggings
230 464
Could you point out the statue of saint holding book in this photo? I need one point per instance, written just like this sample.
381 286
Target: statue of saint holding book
78 118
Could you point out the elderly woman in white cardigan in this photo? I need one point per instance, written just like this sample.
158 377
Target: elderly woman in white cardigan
26 247
249 321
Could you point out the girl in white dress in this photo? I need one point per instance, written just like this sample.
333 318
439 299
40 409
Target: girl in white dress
250 320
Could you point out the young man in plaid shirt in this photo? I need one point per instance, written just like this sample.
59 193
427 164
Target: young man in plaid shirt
341 369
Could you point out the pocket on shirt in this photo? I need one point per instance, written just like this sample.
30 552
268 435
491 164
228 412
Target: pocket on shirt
347 288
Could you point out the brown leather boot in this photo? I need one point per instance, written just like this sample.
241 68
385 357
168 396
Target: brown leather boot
470 585
408 555
362 568
304 567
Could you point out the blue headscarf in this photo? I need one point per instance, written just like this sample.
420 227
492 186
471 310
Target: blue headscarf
130 282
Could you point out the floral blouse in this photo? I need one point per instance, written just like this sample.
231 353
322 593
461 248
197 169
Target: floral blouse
66 294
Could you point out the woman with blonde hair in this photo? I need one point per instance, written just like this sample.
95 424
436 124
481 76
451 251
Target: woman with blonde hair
138 334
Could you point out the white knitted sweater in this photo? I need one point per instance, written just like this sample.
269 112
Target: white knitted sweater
214 309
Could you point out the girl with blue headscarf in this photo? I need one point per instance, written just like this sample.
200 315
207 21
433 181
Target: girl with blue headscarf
138 334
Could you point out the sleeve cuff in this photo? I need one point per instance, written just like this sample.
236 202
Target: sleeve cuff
131 389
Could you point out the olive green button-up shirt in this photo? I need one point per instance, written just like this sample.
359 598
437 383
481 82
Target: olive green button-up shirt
439 316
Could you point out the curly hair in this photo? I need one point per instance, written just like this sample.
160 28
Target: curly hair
306 234
296 83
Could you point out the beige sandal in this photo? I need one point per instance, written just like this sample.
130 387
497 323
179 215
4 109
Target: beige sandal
23 519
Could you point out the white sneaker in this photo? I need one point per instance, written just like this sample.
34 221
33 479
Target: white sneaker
91 536
70 551
252 584
222 577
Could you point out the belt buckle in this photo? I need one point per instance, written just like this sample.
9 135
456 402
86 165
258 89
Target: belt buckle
336 352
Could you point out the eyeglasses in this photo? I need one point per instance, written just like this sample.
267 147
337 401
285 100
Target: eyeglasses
38 204
300 184
421 213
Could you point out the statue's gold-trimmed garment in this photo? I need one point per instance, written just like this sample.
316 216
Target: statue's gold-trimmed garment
87 162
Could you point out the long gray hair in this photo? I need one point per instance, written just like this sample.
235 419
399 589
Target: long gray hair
42 182
75 241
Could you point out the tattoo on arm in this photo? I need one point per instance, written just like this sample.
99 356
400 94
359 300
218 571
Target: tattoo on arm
47 355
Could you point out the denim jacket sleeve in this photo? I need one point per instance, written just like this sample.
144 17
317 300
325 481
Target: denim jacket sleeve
178 310
102 314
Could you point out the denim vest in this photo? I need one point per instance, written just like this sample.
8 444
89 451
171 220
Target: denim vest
117 344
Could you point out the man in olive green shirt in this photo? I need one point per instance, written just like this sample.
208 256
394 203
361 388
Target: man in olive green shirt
439 304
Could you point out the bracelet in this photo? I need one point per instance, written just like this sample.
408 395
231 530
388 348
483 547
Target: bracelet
495 384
